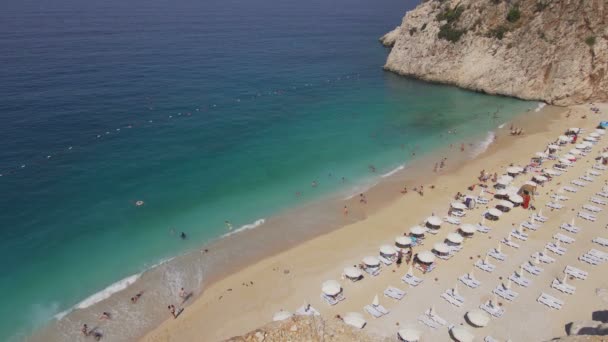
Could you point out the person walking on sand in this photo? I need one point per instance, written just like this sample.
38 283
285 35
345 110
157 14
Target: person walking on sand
345 211
85 330
172 310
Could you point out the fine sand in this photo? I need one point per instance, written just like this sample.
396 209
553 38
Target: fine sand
248 298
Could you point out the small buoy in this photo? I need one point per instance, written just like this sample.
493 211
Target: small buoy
139 203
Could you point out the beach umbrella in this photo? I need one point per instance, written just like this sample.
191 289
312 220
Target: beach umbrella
458 205
590 139
580 146
505 204
387 250
352 272
417 230
600 131
478 318
604 155
569 157
441 248
331 288
434 221
513 170
281 316
502 192
354 319
403 241
564 161
495 212
550 172
587 143
531 183
504 179
553 147
516 199
539 178
462 334
541 155
575 152
468 228
455 238
371 261
563 139
594 134
409 335
574 129
426 257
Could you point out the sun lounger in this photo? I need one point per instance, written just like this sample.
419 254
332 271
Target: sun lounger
560 197
449 297
519 235
483 229
425 270
594 173
509 243
579 183
492 309
602 194
394 293
576 273
530 225
560 168
539 218
494 253
543 257
589 259
550 301
592 208
482 200
563 287
598 200
569 189
372 311
587 216
587 178
520 280
599 167
490 339
505 293
373 271
426 320
411 280
385 261
307 310
432 231
432 315
563 238
554 205
569 228
603 256
452 220
601 241
485 266
559 250
332 300
454 249
458 213
532 269
469 281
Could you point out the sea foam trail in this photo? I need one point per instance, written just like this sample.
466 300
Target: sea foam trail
253 225
483 145
392 172
540 106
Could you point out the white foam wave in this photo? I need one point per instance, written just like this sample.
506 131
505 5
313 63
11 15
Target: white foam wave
483 145
108 291
392 172
502 125
540 106
253 225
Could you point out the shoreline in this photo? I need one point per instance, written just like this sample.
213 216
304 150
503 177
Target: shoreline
539 127
380 191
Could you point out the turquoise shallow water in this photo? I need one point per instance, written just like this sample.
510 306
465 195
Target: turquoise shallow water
206 111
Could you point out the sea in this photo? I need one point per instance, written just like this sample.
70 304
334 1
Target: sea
126 123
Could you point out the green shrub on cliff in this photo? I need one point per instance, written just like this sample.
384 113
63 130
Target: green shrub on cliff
513 15
450 33
451 15
590 40
498 32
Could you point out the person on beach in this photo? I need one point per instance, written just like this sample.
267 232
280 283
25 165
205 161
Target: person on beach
172 310
399 258
85 330
105 315
135 298
183 236
345 211
404 191
362 199
462 147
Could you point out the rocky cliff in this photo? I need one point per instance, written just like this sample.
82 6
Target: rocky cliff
550 50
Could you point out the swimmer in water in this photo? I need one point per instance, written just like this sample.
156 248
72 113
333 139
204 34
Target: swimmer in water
183 236
228 225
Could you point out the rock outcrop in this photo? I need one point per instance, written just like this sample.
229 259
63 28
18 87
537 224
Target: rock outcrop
550 50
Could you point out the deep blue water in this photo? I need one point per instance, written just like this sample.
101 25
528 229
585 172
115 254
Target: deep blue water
206 110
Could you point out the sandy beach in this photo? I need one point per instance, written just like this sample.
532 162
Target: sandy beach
247 299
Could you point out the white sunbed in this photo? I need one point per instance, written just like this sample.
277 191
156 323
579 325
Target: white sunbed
587 216
601 241
532 269
432 231
373 271
452 220
519 235
453 298
590 259
576 272
578 182
376 311
530 225
482 200
599 167
560 168
385 261
602 194
543 257
490 339
538 217
570 189
494 253
492 309
485 266
603 256
550 301
587 178
560 197
520 280
505 293
569 228
594 172
563 238
553 247
509 243
563 287
307 310
483 229
394 293
469 281
411 280
458 213
554 205
598 200
332 300
455 249
432 315
445 256
592 208
426 320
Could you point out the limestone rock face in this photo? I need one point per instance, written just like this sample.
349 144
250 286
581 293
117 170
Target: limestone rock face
589 328
550 50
